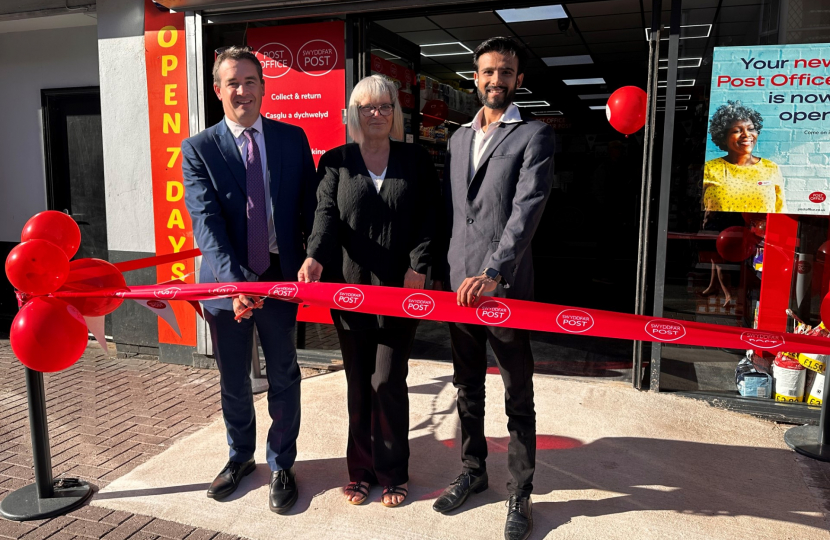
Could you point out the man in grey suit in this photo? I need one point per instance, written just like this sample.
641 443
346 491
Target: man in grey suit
500 174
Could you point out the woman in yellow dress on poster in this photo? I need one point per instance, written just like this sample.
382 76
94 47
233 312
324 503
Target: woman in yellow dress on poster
740 181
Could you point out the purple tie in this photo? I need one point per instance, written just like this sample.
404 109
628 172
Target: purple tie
259 258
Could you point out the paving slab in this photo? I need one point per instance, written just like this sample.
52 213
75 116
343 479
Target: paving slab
611 463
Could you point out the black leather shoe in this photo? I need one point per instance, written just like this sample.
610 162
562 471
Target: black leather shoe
519 523
283 492
457 492
228 480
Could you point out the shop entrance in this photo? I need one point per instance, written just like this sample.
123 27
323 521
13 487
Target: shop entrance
585 249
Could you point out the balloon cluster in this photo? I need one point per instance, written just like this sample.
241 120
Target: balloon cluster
49 334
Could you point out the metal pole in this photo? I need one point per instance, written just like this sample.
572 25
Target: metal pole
645 192
665 187
47 497
40 433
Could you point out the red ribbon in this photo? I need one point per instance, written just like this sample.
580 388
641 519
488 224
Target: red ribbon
442 306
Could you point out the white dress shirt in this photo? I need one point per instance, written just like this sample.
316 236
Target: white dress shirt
241 140
482 138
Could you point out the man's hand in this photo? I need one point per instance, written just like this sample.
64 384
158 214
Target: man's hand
310 271
472 288
414 280
242 306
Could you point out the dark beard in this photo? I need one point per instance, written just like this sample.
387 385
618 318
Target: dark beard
498 103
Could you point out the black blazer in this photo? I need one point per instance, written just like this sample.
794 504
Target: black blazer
364 237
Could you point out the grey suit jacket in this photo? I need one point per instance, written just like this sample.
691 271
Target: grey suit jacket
491 217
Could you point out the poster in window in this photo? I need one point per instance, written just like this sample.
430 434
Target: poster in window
768 142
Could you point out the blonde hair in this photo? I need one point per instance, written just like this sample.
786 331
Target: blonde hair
376 88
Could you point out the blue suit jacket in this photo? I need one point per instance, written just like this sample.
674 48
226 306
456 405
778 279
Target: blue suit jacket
215 195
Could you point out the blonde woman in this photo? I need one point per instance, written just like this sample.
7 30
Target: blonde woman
375 223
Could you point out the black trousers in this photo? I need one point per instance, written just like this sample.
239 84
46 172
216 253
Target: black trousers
515 361
378 401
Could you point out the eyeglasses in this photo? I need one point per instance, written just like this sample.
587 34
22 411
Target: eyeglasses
384 110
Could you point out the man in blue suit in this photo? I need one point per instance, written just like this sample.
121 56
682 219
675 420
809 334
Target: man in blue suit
250 190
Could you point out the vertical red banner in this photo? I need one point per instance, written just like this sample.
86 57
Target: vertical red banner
165 54
305 79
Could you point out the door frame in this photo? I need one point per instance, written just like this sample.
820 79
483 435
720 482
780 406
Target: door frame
50 100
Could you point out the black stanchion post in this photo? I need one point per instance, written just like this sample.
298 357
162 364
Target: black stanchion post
45 498
813 441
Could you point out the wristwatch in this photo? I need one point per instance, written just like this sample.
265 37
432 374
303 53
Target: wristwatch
493 274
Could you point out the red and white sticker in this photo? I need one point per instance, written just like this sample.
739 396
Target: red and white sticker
224 290
762 340
493 312
168 294
817 197
348 298
665 330
574 321
418 305
283 290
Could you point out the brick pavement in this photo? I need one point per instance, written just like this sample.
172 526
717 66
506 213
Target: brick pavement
106 417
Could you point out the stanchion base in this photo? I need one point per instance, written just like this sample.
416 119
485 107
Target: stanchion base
259 385
804 440
24 505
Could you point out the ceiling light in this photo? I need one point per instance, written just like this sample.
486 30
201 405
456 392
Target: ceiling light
597 107
523 90
568 60
547 113
682 63
688 31
681 97
594 96
445 49
681 82
531 104
466 74
577 82
538 13
386 55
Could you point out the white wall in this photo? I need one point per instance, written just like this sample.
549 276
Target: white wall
29 62
125 123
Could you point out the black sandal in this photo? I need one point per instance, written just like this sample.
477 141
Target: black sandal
356 487
394 490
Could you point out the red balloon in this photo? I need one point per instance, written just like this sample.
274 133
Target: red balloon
37 267
435 112
626 109
48 335
825 310
736 244
92 275
56 227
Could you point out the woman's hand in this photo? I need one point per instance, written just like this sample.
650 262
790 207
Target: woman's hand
414 280
310 271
